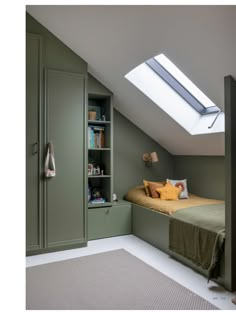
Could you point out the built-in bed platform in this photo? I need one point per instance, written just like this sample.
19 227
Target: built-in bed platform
153 227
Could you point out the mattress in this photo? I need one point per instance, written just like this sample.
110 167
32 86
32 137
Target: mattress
138 196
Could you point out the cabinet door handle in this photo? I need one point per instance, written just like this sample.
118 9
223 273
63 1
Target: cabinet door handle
35 148
49 166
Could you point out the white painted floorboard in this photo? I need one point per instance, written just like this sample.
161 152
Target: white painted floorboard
182 274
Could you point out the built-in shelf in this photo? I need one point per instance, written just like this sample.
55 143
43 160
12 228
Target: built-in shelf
98 176
99 122
100 149
99 205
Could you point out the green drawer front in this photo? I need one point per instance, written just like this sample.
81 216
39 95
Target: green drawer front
108 222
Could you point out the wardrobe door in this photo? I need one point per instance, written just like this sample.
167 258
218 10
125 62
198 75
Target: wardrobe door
64 204
33 101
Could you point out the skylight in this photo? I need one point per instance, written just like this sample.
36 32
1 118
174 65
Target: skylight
186 83
167 86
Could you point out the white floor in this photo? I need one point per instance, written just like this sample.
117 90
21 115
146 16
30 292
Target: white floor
211 291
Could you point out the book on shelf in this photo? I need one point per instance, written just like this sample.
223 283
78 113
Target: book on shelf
96 138
98 200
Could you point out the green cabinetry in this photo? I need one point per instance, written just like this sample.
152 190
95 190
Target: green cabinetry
64 200
34 218
109 221
56 80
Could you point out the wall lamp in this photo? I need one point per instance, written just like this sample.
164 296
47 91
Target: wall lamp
149 158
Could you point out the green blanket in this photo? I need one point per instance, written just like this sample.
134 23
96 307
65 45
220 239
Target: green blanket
198 234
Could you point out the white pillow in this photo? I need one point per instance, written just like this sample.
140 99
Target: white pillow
182 183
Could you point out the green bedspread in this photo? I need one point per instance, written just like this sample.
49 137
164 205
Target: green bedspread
198 234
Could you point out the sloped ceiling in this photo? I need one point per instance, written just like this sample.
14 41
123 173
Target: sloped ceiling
200 40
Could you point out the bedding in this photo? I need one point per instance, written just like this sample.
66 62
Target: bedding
138 196
198 234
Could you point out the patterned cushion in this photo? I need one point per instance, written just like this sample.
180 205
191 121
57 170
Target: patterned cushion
182 183
169 192
152 187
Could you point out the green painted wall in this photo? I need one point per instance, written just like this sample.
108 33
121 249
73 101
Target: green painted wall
129 145
205 174
56 55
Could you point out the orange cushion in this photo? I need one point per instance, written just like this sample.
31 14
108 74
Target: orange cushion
169 192
153 189
147 191
147 187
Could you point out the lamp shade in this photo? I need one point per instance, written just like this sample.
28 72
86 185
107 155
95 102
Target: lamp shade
154 157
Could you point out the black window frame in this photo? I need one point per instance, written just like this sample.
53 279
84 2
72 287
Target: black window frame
180 89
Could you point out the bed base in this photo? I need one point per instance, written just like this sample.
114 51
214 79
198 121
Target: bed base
153 227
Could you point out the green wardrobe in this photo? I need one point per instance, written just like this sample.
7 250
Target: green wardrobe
55 112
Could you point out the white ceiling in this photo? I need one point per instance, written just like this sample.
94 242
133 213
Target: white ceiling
200 40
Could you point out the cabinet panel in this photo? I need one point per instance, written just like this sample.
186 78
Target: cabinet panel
33 205
108 222
65 128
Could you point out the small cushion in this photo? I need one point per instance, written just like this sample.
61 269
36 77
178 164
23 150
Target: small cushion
169 192
182 183
152 187
147 188
147 191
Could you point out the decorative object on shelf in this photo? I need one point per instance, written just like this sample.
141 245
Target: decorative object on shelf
92 115
97 196
90 169
114 197
97 109
149 158
96 193
103 118
89 193
96 170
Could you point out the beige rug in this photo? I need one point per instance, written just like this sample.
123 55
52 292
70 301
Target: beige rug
114 280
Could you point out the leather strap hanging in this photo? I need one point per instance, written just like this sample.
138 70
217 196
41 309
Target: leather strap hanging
50 166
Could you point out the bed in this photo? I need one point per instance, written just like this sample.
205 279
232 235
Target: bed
191 230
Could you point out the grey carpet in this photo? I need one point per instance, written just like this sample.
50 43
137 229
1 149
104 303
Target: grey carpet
114 280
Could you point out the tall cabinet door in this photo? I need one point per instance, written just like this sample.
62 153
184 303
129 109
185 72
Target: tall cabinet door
34 233
64 196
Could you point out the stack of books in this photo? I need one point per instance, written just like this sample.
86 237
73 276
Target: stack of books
96 137
97 200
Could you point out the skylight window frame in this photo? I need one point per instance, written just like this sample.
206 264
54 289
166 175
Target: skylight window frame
180 89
